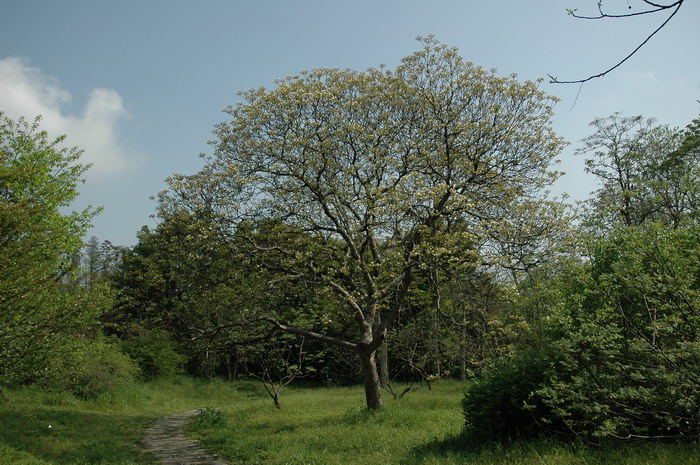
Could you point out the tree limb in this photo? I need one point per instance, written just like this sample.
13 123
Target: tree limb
303 332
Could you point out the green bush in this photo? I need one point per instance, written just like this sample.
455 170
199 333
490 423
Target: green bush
626 328
208 418
92 368
501 403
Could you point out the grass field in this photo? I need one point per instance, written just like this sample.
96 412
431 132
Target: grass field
104 431
324 426
330 426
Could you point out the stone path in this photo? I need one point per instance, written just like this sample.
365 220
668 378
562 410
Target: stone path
166 440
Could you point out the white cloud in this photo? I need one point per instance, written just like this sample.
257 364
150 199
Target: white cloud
640 77
25 91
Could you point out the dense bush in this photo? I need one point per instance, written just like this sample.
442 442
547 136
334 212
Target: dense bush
92 368
628 330
624 326
622 331
502 404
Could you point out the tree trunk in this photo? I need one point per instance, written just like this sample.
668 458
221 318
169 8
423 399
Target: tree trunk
435 333
384 363
232 362
382 356
463 353
370 376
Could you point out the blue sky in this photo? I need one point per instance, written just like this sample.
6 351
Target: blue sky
140 84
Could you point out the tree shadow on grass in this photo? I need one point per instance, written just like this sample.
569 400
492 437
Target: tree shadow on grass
550 450
449 446
470 450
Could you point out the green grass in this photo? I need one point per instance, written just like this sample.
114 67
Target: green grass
325 426
55 428
331 426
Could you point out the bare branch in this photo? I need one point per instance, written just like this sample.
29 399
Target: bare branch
657 8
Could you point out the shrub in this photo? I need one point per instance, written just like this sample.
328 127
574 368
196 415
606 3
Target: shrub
208 418
92 368
626 328
502 404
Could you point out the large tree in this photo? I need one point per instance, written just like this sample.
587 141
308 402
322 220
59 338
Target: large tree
372 176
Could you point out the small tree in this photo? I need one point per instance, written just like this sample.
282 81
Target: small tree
38 237
276 363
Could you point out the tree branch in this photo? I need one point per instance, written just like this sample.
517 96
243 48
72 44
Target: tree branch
303 332
677 5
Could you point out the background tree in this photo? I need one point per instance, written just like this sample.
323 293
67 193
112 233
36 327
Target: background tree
648 172
189 297
615 338
98 261
378 173
180 291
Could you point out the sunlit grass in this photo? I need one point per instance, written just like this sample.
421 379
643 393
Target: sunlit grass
330 426
324 426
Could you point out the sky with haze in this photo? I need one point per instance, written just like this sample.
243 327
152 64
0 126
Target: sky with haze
139 85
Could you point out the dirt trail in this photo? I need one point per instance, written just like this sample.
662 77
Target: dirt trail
166 440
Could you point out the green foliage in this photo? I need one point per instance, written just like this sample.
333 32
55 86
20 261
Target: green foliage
199 295
39 307
501 403
91 368
154 351
622 331
628 332
208 421
209 417
621 323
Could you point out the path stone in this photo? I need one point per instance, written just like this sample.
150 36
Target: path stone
166 440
